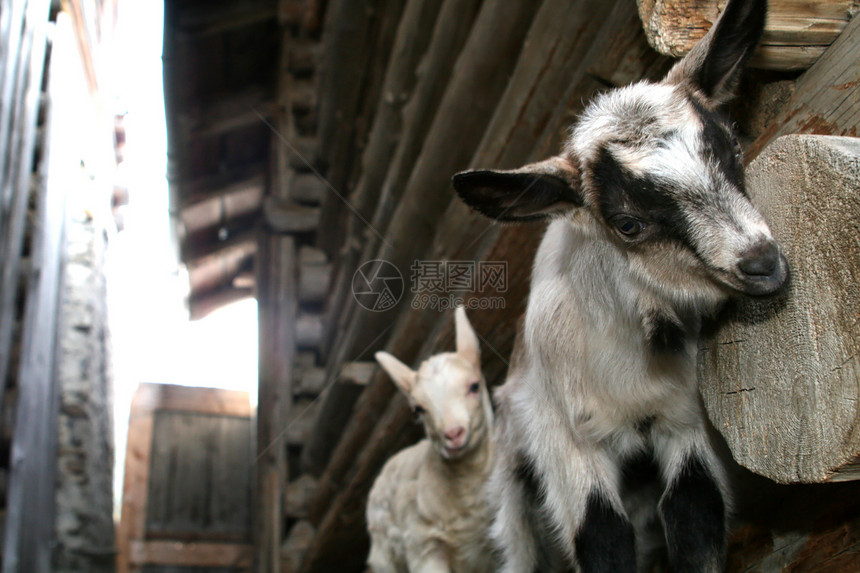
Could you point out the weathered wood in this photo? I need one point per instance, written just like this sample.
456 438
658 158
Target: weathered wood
307 188
219 205
480 78
356 40
286 217
196 554
29 518
206 20
787 403
309 330
219 267
312 382
796 34
296 545
826 98
334 414
303 414
202 305
190 449
298 496
276 300
449 36
314 283
22 83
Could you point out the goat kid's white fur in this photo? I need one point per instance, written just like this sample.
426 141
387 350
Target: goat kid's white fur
427 511
651 231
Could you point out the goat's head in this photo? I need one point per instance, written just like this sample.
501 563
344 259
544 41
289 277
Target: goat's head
448 392
656 169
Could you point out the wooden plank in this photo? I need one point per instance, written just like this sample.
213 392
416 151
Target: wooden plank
826 98
23 83
29 523
796 34
195 490
195 554
132 526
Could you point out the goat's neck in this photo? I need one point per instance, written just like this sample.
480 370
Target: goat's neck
473 465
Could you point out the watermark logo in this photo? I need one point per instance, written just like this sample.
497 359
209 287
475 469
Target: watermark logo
439 285
377 285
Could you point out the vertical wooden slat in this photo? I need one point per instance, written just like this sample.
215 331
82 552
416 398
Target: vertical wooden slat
30 501
22 81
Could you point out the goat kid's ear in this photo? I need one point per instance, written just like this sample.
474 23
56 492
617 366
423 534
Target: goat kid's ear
468 346
533 192
714 64
402 376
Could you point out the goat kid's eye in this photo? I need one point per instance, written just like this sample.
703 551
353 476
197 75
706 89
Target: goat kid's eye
474 387
628 226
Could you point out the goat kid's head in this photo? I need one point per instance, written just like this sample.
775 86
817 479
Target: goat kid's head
656 169
448 392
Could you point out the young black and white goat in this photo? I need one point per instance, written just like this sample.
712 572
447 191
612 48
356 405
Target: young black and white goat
427 511
652 231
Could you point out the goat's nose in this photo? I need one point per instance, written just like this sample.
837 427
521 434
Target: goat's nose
760 260
455 435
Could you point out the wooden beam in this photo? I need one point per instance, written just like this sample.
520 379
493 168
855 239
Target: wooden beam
826 98
796 34
191 554
29 524
219 205
221 265
206 20
287 217
357 43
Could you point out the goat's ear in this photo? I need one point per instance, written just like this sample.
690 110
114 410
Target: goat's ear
714 64
468 346
535 191
402 376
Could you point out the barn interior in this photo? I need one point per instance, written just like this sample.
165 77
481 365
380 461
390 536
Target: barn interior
310 146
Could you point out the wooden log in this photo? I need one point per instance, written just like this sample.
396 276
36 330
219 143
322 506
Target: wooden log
826 98
796 34
334 415
449 35
302 57
480 77
312 256
220 205
356 40
296 545
307 189
788 403
309 330
304 413
286 217
298 495
312 382
314 283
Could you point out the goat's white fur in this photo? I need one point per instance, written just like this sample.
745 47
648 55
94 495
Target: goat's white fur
427 511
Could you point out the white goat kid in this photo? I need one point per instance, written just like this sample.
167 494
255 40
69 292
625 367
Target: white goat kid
653 230
427 511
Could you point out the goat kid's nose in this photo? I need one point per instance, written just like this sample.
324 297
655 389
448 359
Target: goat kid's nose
760 260
456 436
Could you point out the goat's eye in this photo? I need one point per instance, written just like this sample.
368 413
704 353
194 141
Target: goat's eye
474 387
628 226
419 410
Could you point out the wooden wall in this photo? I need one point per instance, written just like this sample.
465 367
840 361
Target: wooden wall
400 107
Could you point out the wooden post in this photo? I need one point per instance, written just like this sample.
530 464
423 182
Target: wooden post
796 34
276 299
